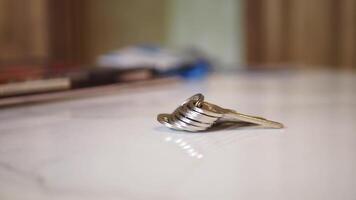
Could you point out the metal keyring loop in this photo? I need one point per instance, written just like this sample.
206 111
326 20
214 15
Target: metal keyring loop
197 98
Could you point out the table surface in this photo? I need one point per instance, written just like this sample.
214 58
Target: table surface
112 147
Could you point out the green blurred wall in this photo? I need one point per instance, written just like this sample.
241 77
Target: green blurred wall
214 26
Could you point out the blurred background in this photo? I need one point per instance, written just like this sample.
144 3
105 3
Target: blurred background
234 33
292 61
49 45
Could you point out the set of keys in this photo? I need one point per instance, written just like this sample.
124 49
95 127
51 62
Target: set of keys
195 114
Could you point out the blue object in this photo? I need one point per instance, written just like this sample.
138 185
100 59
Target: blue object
194 70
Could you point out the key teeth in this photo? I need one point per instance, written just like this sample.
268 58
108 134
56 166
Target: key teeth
279 125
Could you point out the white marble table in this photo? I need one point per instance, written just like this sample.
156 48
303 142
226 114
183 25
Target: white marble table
111 147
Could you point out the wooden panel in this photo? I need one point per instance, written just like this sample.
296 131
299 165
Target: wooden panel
302 32
67 22
272 24
23 32
347 29
253 24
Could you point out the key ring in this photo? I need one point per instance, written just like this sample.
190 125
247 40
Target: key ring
194 114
